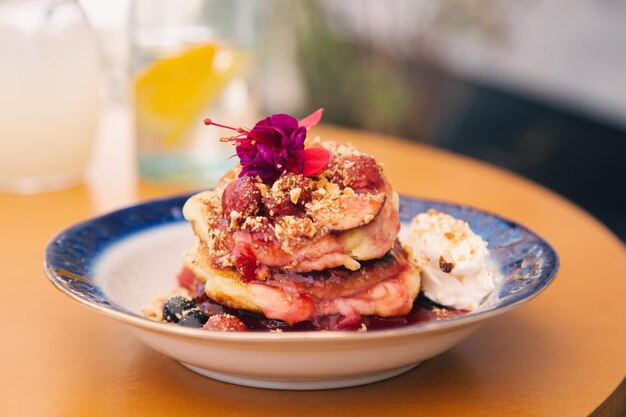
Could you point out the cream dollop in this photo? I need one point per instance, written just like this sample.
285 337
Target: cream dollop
456 269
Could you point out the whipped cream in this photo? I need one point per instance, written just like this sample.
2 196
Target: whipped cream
456 269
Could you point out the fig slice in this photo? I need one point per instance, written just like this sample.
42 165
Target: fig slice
348 212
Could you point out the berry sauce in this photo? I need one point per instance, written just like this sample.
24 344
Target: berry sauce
245 261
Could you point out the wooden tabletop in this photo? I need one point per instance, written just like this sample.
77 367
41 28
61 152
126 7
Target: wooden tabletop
562 354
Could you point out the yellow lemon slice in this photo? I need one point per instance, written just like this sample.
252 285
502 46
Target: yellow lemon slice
172 92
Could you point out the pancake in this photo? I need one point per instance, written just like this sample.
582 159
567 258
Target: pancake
385 287
298 248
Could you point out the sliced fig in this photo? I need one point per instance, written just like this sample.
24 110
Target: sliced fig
348 212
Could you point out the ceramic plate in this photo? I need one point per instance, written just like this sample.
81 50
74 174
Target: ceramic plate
117 263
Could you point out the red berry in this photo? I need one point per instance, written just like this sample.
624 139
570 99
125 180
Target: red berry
225 323
359 172
241 195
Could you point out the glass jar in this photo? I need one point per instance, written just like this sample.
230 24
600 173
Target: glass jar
191 59
49 85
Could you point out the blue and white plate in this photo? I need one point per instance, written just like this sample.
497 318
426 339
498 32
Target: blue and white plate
118 263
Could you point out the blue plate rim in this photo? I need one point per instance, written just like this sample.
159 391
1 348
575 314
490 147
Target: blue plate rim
137 320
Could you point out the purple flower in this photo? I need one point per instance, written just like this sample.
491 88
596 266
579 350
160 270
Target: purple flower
273 146
276 145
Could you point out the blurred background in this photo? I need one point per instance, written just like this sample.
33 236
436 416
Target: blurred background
537 87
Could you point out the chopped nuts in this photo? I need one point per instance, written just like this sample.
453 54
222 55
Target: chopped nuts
295 194
331 188
263 189
234 217
290 229
321 183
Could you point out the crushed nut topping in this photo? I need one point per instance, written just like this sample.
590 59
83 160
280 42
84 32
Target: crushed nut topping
294 194
262 189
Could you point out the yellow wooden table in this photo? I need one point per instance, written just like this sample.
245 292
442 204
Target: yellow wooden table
563 354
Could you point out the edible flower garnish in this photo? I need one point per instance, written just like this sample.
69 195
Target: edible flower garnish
276 145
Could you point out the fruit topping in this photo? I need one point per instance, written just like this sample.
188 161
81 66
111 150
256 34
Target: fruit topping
174 308
225 322
359 172
241 198
194 318
345 212
288 195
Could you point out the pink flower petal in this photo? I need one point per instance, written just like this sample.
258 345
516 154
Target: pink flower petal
312 119
315 160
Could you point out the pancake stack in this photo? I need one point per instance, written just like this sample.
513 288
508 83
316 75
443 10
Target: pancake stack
299 247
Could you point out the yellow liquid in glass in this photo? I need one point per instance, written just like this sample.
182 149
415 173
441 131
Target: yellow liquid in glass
171 94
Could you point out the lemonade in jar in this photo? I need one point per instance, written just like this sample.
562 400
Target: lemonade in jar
49 84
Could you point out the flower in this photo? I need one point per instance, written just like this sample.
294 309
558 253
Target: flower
276 145
273 146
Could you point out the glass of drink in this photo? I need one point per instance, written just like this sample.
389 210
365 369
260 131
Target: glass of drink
191 59
49 82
